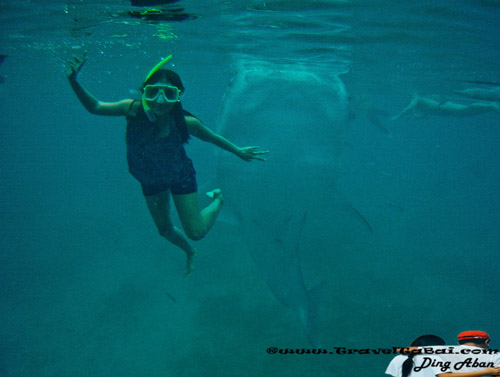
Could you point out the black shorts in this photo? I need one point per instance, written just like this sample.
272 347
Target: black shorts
185 183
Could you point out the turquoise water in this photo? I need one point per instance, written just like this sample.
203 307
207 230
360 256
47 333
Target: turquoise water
88 288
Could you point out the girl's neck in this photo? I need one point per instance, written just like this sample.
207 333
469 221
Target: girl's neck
165 117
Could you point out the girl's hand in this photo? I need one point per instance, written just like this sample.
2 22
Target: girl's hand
75 65
251 153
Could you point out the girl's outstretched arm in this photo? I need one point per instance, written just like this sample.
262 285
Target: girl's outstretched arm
197 129
91 103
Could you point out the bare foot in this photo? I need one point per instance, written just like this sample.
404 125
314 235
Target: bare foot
215 194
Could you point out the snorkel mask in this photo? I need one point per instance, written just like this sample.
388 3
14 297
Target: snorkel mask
155 90
169 93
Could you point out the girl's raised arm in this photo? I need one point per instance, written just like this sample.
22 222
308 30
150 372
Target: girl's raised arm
91 103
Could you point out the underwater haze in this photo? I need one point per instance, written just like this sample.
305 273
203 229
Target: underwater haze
359 231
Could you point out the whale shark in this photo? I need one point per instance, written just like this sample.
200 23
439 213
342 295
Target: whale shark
300 114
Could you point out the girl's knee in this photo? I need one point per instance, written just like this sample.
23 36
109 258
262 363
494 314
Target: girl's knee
196 234
166 231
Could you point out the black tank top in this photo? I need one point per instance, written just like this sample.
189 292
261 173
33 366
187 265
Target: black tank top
152 159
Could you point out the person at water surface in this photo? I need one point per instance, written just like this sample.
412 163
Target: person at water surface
157 129
481 93
413 363
427 106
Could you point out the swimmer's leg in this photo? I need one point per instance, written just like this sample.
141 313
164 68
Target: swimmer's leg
413 105
456 109
480 93
159 207
481 107
197 223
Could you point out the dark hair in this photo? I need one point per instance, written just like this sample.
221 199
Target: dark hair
479 342
167 74
421 341
174 79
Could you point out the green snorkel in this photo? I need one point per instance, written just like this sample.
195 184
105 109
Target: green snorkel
147 109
